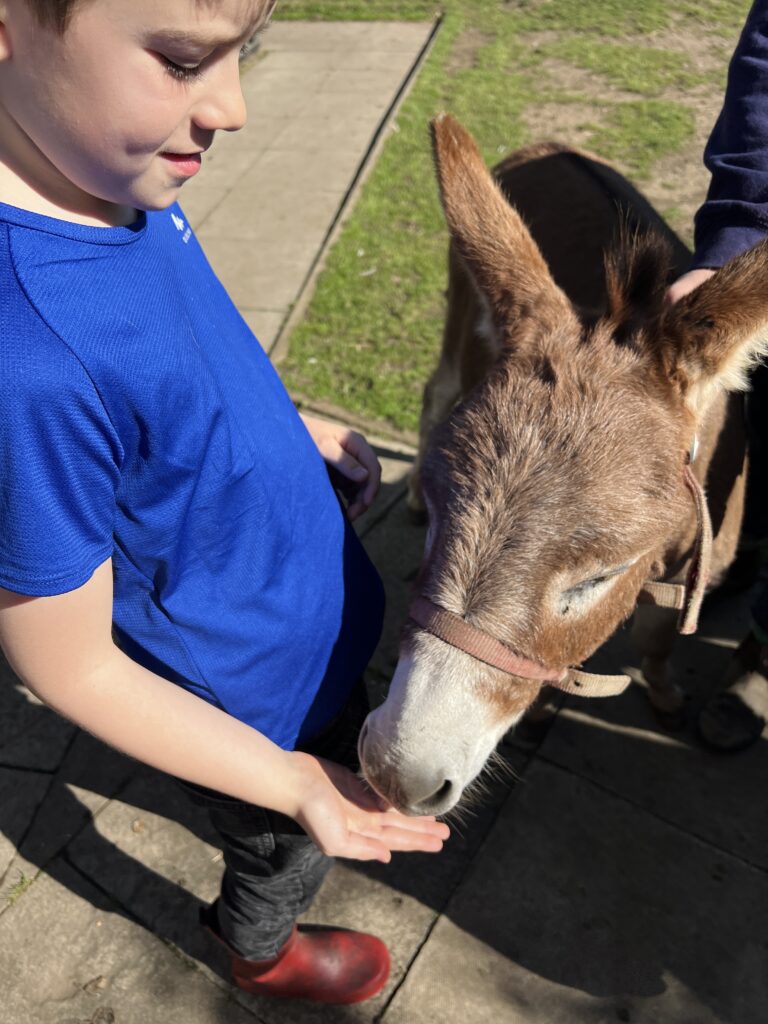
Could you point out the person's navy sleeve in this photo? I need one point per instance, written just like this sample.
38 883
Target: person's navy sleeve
59 464
735 214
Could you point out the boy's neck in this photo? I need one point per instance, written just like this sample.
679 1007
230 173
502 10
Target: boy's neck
29 182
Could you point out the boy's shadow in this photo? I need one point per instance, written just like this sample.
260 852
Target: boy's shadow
58 814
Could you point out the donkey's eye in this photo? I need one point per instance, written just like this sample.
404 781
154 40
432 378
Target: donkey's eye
595 581
585 585
579 597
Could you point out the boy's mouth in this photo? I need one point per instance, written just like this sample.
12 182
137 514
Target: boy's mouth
184 164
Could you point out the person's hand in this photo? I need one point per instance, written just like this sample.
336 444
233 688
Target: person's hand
347 819
686 284
352 461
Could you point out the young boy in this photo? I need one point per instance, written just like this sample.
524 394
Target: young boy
177 574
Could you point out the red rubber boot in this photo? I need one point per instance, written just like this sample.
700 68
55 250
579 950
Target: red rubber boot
326 965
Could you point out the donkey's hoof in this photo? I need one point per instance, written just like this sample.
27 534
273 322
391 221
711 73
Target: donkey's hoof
416 516
673 720
727 723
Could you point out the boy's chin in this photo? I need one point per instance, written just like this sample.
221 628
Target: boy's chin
157 203
151 200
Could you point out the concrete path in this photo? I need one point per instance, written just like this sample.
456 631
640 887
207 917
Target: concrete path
624 878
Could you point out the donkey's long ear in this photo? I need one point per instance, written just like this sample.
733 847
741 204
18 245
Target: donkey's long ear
492 239
712 336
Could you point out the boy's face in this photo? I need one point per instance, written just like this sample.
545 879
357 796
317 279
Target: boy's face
112 107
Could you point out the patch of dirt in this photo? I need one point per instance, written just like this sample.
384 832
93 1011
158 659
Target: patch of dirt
466 48
708 53
566 78
569 123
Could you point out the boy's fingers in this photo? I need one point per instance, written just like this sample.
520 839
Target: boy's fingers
355 510
393 819
361 847
393 824
357 446
404 840
346 464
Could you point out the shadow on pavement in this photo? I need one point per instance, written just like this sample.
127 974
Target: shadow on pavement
625 857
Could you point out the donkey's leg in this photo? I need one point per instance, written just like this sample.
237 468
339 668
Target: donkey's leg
446 385
653 635
442 392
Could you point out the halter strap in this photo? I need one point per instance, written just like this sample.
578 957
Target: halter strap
687 598
455 631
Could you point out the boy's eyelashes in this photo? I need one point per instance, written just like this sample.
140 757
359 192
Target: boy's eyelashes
185 72
181 72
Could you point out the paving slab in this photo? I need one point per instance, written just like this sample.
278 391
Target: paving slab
21 793
620 745
89 776
278 216
154 852
362 37
583 907
69 956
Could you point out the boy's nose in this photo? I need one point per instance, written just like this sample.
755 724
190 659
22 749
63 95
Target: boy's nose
222 108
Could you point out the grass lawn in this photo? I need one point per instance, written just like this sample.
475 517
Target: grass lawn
638 83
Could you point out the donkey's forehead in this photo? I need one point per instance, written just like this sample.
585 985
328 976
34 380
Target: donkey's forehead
560 425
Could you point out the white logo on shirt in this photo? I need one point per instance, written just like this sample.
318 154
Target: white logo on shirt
179 222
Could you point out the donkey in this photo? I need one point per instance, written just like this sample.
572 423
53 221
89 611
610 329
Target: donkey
556 441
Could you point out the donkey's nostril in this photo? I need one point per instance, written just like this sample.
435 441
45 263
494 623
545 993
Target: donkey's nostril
435 802
444 792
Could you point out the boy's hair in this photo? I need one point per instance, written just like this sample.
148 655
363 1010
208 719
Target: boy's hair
54 13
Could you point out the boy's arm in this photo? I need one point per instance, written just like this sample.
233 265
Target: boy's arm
62 648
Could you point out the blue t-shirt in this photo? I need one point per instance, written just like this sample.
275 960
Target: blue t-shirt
140 420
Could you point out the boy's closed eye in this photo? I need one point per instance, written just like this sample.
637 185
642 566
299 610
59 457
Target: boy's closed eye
186 70
182 72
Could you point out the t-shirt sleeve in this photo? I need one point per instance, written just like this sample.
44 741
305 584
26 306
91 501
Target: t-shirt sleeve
59 468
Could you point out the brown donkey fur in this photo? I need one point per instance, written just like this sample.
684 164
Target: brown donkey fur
554 436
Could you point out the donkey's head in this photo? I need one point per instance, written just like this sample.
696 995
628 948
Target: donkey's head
556 488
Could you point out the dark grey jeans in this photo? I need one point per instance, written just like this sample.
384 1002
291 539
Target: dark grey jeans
272 868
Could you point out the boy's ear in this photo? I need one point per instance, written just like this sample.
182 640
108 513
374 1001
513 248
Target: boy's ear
496 246
5 42
715 334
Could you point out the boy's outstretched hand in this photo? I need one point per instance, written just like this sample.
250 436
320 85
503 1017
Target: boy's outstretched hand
346 819
358 473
